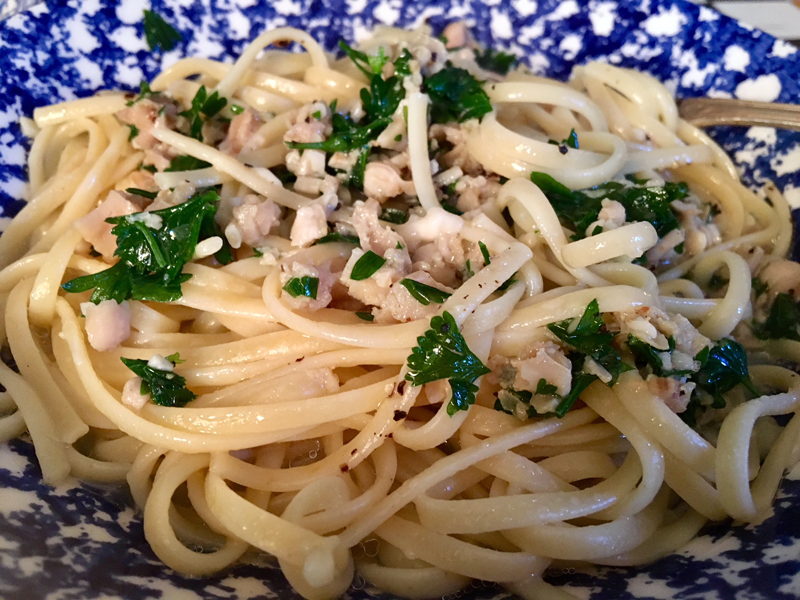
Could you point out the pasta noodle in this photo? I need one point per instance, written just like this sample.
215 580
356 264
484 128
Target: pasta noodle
491 322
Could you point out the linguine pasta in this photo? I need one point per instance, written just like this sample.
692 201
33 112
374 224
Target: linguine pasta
486 322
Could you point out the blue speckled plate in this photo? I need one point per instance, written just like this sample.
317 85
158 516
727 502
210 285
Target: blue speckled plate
77 542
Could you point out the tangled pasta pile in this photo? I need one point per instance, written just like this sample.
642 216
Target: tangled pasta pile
493 321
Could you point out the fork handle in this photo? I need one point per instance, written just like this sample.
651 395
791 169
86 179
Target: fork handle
705 112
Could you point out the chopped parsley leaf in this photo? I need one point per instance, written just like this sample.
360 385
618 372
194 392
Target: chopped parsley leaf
468 272
175 358
383 97
183 162
365 316
151 260
202 104
589 338
359 169
507 283
571 141
423 293
647 355
210 228
284 174
579 209
302 286
723 368
547 389
442 353
380 101
456 96
580 381
236 109
508 399
142 193
159 33
451 209
782 322
165 387
485 252
366 266
759 286
495 61
394 215
120 282
347 135
144 92
337 237
368 64
134 132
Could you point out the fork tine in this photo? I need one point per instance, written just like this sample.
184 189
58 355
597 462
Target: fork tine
706 112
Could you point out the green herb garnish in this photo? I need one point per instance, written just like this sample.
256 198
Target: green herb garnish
495 61
183 162
580 381
723 367
144 92
121 282
142 193
202 104
380 101
347 135
302 286
367 64
366 266
337 237
165 387
442 353
589 338
151 260
546 389
782 322
424 294
578 209
571 141
487 260
507 283
456 96
159 33
359 169
759 286
394 215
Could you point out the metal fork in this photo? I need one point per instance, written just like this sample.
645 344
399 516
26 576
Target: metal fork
705 112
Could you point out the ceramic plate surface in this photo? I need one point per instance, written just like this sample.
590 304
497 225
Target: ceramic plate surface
79 542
